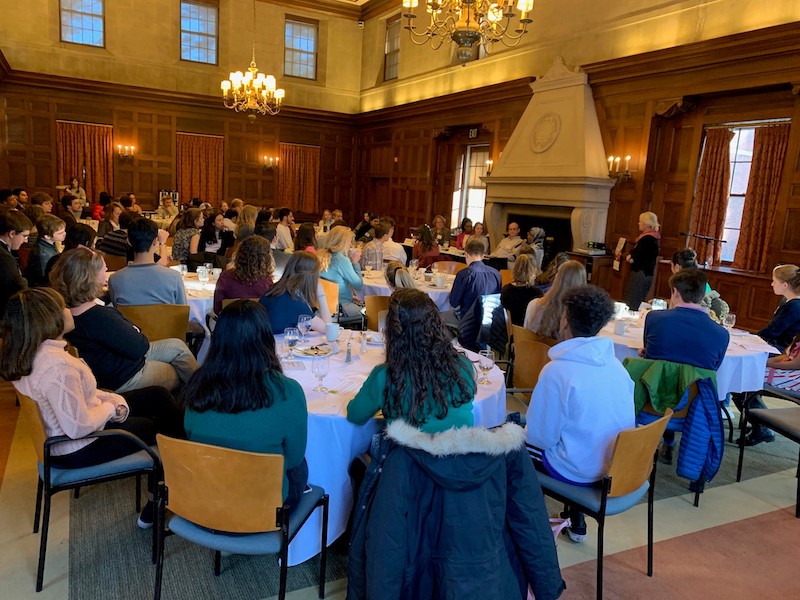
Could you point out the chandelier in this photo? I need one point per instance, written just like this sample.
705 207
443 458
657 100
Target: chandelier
252 92
469 22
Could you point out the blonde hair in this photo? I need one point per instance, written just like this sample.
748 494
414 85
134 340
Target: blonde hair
397 276
74 276
650 220
788 274
524 270
246 218
337 239
570 275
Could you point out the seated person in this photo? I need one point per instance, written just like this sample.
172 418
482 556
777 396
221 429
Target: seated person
545 279
79 234
167 210
305 238
15 228
250 405
340 264
509 246
471 283
583 399
298 292
116 242
516 296
120 357
285 237
543 315
426 250
479 234
251 275
110 221
398 276
187 235
71 209
326 221
49 229
785 323
214 237
465 232
687 259
434 394
372 254
364 226
534 246
393 250
783 371
66 392
440 231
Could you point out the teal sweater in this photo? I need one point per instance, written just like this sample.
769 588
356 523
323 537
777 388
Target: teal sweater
280 429
369 401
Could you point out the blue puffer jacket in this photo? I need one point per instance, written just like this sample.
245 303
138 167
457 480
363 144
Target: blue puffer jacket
703 439
454 515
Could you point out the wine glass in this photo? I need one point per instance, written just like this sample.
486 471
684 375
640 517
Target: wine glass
320 367
183 270
304 325
368 268
290 337
202 277
729 321
485 365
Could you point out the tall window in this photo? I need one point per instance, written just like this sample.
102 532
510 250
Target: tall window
392 52
300 54
469 196
199 31
741 158
82 22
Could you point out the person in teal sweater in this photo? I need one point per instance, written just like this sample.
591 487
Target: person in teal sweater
340 264
424 380
241 399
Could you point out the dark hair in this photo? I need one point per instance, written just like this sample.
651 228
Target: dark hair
388 220
79 234
41 197
33 315
418 389
126 201
141 233
306 236
263 216
190 215
5 194
66 201
381 229
284 212
125 219
426 237
691 285
196 202
475 248
266 230
14 221
48 224
464 222
231 214
685 259
105 199
337 223
18 191
209 233
588 308
253 260
241 361
299 279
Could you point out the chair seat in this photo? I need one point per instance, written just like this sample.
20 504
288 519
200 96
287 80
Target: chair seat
133 462
782 393
255 543
590 497
785 421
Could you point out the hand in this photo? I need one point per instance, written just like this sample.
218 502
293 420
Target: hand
355 255
640 352
163 236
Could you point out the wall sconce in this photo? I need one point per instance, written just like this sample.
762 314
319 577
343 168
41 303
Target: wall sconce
125 153
489 166
270 162
613 168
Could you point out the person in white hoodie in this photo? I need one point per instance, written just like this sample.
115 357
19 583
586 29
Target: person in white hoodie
583 399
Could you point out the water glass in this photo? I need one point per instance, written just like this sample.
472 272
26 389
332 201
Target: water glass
320 367
485 365
413 264
183 270
291 335
729 321
304 325
202 276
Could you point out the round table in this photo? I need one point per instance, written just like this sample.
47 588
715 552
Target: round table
200 298
375 284
333 442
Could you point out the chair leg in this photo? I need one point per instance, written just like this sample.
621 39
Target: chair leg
730 421
38 511
324 553
284 559
650 495
160 516
77 493
43 543
217 562
742 428
601 522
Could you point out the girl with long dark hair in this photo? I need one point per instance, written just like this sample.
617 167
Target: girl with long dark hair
241 399
426 250
424 380
214 237
298 292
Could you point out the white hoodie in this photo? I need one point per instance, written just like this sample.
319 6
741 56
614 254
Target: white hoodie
583 399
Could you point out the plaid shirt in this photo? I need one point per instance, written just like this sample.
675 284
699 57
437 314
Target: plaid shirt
372 255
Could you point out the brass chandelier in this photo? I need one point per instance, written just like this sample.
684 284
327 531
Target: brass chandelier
252 92
468 23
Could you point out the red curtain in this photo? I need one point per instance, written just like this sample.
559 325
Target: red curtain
199 165
760 200
85 148
711 193
299 177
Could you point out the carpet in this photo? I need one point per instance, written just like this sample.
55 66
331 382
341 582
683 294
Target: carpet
752 558
109 558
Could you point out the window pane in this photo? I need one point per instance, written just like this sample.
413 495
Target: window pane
300 54
740 175
731 237
82 22
733 216
198 32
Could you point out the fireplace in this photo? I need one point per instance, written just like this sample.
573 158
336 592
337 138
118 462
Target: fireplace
558 232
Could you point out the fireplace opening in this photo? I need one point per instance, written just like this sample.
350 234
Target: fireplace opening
558 232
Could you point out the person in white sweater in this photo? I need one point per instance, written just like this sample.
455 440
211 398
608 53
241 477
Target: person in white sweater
583 399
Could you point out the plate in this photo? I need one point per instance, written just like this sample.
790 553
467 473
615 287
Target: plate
314 351
374 339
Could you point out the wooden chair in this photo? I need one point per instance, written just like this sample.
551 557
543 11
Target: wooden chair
113 261
230 500
53 479
631 474
331 295
530 357
506 276
159 321
374 305
448 266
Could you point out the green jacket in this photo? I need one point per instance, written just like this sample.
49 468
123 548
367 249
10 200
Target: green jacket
662 382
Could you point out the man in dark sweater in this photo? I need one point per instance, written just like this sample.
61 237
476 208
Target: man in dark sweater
473 282
14 230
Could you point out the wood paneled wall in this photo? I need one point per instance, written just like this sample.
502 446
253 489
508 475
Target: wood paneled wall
654 107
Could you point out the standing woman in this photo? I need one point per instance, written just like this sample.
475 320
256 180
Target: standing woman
241 399
187 237
643 260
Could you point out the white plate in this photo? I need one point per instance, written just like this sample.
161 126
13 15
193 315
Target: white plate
319 351
374 339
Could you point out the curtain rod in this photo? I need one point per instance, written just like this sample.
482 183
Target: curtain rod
740 124
301 145
222 137
84 123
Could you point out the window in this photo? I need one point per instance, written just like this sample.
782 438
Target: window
392 52
300 54
741 150
469 196
82 22
199 31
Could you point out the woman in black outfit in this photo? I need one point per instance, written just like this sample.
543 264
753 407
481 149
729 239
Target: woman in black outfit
643 260
516 296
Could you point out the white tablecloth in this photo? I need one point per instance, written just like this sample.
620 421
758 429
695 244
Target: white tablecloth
376 285
333 442
742 369
200 298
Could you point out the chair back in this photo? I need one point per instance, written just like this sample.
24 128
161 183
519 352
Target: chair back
159 321
114 262
34 423
506 276
222 489
448 266
331 290
530 357
523 333
632 457
228 301
374 306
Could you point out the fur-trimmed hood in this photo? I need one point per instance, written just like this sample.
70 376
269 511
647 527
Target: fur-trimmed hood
459 458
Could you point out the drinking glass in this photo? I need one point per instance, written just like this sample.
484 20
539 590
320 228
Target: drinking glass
202 276
320 367
290 337
413 263
304 325
729 321
485 364
183 270
368 268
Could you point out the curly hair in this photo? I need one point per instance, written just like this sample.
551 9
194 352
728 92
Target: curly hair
252 260
588 309
571 275
74 276
424 371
